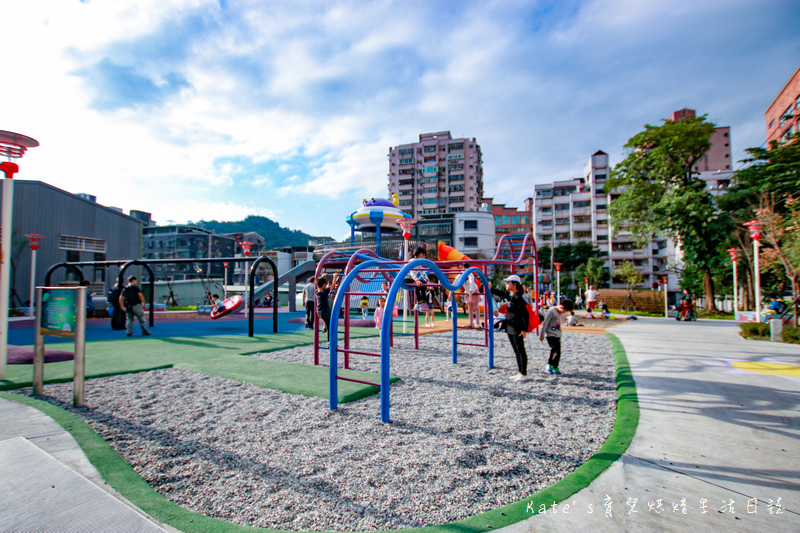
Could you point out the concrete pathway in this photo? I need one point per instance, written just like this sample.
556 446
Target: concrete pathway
48 483
718 443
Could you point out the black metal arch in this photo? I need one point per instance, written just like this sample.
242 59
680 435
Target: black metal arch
147 262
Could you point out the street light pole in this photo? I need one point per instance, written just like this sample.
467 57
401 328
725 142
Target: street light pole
33 240
558 282
734 256
665 279
755 227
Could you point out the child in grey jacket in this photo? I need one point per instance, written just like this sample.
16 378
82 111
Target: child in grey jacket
551 329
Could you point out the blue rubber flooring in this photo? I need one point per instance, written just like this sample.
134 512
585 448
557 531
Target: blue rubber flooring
22 334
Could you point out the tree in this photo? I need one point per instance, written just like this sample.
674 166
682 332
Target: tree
660 193
631 277
765 190
592 269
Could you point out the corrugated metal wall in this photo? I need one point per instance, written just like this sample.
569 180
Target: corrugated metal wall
49 211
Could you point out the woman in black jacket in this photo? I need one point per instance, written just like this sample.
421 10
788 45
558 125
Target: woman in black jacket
516 322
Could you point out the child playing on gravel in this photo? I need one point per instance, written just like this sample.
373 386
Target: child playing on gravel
516 322
551 329
379 312
364 307
323 302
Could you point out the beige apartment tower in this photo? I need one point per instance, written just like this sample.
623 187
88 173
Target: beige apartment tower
438 175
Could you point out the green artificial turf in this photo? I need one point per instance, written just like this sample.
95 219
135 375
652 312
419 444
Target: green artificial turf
125 480
223 356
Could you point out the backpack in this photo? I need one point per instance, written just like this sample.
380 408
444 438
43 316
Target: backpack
113 297
533 318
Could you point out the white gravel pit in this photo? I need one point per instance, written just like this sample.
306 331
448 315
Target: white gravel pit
463 439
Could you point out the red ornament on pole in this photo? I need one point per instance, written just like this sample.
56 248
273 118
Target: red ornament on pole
558 268
246 247
755 227
734 253
33 240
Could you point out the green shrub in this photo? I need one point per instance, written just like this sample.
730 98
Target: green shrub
183 308
754 329
791 335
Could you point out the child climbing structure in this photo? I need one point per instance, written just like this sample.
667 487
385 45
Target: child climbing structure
362 273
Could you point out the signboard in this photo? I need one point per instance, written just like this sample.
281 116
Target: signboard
61 312
59 317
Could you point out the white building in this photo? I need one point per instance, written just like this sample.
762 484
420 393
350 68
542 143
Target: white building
473 233
575 210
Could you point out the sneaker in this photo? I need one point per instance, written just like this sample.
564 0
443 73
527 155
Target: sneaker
129 335
522 378
549 369
433 325
556 371
515 377
145 333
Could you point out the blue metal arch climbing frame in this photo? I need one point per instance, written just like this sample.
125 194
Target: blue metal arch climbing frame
394 288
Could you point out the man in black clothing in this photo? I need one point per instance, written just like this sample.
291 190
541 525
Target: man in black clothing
132 300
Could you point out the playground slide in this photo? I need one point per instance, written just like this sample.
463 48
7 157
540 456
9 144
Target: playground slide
306 267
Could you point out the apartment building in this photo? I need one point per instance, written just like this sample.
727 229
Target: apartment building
510 220
182 241
575 210
783 114
436 176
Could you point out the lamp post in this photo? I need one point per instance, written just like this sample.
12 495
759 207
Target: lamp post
12 145
665 280
558 282
755 227
33 241
225 281
734 256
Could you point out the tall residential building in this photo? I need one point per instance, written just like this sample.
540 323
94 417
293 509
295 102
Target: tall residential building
574 210
783 114
715 167
438 175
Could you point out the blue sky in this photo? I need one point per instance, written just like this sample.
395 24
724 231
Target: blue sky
197 109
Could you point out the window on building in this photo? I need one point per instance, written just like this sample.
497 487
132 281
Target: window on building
562 236
546 223
506 220
407 161
456 198
470 224
407 151
562 222
600 177
602 237
470 241
582 234
455 146
430 158
515 219
459 187
456 177
81 244
455 157
785 114
562 207
548 209
456 209
772 124
582 219
497 221
547 237
545 194
525 220
582 203
601 207
453 167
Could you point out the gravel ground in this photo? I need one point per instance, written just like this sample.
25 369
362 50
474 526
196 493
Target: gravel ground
464 439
